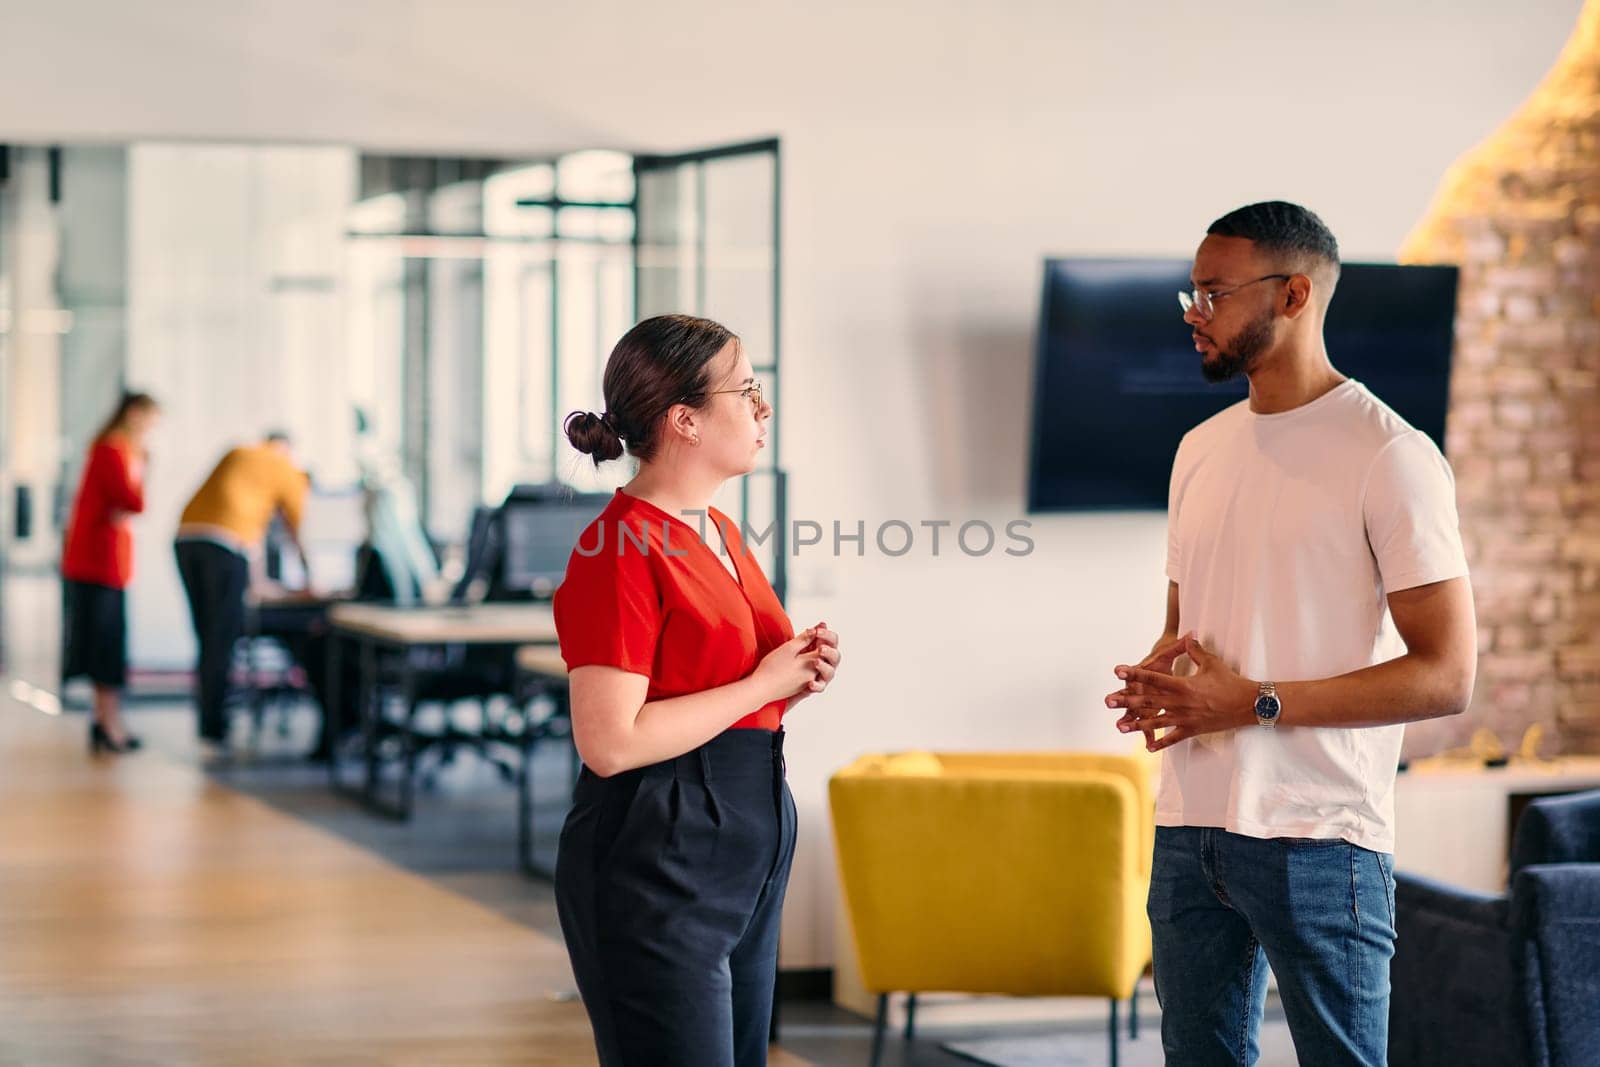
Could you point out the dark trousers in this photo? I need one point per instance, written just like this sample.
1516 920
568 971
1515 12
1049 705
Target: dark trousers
669 883
215 579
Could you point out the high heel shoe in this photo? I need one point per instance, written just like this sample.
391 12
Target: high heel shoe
100 740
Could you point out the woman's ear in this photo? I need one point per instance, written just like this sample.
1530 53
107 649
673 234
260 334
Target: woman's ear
681 423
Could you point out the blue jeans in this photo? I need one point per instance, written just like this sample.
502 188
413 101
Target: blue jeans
1321 913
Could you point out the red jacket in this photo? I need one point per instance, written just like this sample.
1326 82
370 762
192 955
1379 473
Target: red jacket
99 543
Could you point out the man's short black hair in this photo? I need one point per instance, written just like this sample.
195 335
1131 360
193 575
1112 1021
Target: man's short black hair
1282 229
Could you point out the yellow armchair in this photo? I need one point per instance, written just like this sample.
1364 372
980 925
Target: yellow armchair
1023 874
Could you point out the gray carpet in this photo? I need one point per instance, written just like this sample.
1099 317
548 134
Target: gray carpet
1092 1050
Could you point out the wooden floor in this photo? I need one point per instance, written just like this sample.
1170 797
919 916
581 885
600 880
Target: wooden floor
150 915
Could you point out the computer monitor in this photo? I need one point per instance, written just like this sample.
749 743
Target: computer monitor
537 538
333 525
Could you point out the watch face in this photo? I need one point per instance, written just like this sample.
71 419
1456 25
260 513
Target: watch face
1267 707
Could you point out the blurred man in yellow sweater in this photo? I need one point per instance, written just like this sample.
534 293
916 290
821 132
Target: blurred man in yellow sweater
222 530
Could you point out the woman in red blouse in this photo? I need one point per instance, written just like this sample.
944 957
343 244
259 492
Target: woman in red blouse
673 862
98 564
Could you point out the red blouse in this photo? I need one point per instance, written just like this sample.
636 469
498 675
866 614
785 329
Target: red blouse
99 544
645 594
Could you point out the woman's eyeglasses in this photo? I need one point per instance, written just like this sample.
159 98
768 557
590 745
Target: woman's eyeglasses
751 392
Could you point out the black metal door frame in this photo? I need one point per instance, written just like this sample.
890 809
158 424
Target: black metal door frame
646 164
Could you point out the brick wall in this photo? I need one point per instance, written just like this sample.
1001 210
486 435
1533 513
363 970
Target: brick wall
1520 215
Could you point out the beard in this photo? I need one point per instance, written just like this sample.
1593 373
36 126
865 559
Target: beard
1243 351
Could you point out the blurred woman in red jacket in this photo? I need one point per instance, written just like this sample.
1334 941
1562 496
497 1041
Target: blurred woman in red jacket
98 564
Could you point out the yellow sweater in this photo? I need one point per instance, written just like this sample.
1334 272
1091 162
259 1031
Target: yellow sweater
243 491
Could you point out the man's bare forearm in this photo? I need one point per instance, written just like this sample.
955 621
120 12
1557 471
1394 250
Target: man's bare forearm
1410 688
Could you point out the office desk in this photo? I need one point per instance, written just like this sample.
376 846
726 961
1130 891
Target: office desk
546 673
479 624
294 622
375 627
542 660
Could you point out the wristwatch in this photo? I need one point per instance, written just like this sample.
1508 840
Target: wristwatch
1268 707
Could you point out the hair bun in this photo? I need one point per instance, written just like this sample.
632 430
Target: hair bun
594 435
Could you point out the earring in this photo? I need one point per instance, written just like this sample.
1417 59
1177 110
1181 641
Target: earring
696 439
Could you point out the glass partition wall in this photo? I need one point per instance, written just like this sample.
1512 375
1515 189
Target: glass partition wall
709 243
437 316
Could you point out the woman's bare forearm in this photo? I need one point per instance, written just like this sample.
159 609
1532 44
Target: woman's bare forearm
663 729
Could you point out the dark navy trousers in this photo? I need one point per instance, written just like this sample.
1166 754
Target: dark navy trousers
669 883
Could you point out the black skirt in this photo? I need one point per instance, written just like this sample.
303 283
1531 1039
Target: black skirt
95 629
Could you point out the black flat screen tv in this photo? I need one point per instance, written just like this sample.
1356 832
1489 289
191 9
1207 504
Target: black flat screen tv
1117 381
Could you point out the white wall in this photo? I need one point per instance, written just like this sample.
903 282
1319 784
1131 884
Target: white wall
235 261
31 323
93 285
934 154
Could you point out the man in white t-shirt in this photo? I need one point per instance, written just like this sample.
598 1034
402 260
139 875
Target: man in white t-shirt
1319 587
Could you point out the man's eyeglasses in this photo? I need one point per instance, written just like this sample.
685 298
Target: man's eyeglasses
751 392
1201 300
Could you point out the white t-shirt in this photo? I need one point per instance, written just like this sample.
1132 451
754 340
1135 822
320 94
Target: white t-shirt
1285 534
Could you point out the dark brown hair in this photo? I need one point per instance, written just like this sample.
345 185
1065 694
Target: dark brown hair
662 361
129 403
